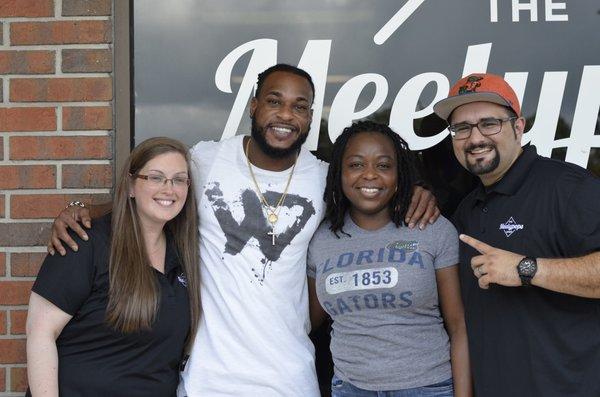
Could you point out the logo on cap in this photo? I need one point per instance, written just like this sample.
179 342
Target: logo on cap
473 82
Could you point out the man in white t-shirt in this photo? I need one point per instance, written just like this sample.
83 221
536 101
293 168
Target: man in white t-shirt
260 200
259 205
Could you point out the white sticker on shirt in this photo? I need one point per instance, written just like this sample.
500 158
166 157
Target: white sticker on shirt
357 280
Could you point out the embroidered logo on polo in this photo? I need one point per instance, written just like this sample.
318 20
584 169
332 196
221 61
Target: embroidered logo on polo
254 224
510 226
182 279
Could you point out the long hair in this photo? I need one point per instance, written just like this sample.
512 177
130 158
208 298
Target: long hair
337 205
134 292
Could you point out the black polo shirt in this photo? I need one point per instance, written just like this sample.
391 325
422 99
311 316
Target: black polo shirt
528 341
95 360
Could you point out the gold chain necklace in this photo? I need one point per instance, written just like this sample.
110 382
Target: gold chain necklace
272 212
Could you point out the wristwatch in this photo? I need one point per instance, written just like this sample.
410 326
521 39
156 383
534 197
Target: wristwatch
527 268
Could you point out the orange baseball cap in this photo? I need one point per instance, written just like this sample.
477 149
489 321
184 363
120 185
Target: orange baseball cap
478 87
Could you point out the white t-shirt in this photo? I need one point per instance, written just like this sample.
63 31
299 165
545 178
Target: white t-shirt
253 335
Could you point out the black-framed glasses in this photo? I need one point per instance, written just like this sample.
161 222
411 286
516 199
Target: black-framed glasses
487 127
161 180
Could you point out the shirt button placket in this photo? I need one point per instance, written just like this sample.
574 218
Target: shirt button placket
484 211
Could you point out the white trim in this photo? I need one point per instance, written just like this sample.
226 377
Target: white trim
19 278
69 191
74 46
6 145
22 336
6 33
58 75
23 250
53 104
41 221
57 9
59 118
6 90
60 18
56 162
59 178
6 204
58 62
60 133
7 273
13 307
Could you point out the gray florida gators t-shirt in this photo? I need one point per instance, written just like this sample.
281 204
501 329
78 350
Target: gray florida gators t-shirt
379 287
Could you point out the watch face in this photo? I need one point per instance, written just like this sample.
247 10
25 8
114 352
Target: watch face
527 267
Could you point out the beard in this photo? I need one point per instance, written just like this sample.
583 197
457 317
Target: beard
258 134
482 167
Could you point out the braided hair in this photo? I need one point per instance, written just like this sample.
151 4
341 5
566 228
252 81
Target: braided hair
337 205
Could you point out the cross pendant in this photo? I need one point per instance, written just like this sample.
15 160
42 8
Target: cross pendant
272 234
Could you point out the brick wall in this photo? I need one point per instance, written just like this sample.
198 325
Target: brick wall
56 117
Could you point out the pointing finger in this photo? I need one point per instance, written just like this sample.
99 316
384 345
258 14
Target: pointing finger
480 246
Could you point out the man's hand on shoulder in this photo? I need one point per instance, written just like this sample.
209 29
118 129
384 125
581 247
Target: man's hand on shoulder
423 208
70 218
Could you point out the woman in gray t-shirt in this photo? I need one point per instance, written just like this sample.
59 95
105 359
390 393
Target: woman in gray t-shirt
391 291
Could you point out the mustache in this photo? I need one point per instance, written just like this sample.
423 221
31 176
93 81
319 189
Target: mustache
480 146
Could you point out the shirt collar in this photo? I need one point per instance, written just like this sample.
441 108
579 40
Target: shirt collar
514 177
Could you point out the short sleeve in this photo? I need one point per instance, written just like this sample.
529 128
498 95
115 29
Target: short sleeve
581 216
311 267
67 281
203 155
446 253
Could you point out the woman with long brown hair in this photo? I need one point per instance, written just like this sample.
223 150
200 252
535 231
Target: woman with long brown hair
116 317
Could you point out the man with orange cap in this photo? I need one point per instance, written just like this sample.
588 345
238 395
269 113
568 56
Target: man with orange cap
530 252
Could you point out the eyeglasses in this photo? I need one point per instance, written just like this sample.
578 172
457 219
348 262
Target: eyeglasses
487 127
160 180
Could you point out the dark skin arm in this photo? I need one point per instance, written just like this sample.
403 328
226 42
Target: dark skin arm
454 320
317 314
422 210
73 218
